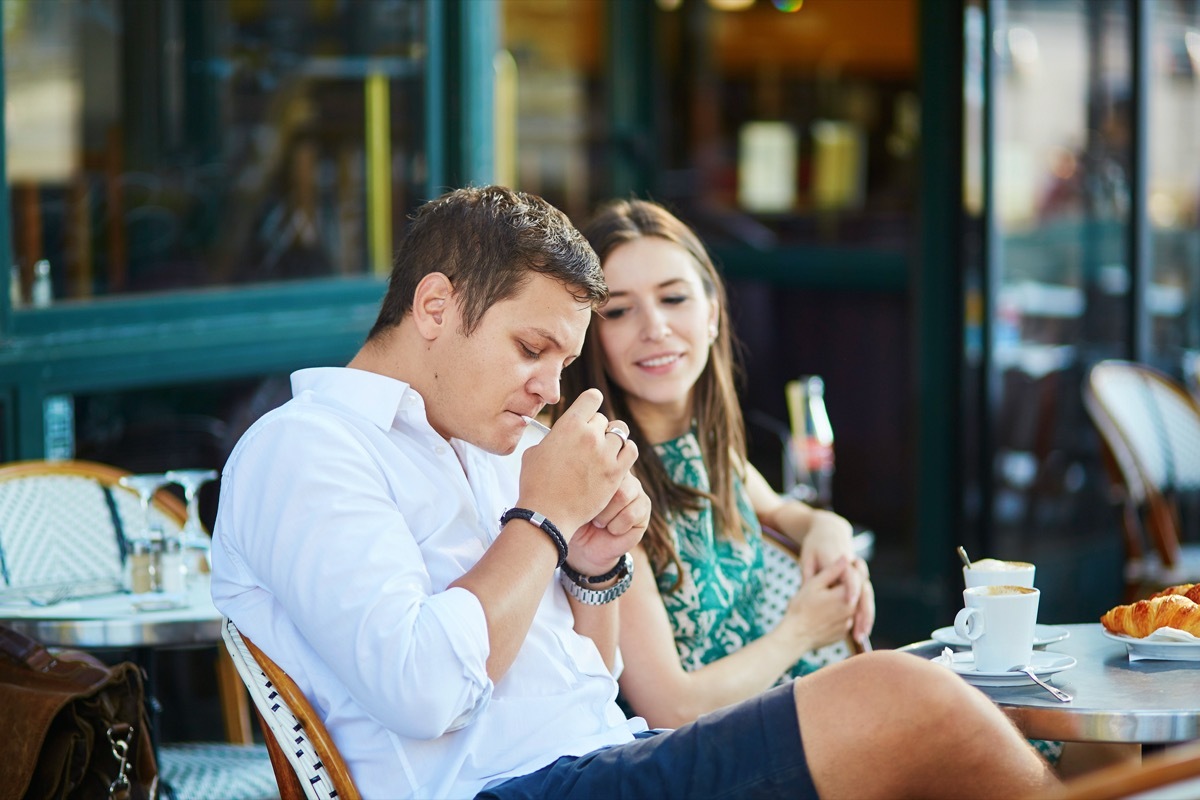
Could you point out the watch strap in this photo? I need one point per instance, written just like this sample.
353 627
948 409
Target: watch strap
598 597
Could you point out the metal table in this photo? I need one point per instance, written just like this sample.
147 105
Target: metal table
125 621
116 622
1116 700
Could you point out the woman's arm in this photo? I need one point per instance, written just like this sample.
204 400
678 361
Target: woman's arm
825 534
823 537
658 687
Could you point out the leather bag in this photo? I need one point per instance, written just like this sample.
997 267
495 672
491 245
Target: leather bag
71 726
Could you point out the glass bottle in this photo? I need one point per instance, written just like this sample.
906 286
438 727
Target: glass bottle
14 287
812 436
42 293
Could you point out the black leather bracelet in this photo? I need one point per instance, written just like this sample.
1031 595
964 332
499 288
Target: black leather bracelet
543 523
584 580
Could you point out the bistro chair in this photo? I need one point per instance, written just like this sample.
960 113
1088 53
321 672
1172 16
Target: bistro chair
66 524
64 529
1173 774
304 756
1149 428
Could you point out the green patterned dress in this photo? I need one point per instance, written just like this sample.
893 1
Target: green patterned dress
714 611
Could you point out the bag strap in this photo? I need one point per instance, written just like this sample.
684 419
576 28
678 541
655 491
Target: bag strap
33 654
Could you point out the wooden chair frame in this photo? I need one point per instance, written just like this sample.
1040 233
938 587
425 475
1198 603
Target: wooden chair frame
303 726
1172 767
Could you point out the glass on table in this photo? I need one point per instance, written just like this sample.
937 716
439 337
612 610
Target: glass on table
145 574
194 539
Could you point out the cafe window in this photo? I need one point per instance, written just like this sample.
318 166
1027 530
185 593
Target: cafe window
1173 186
549 113
177 145
786 123
1060 277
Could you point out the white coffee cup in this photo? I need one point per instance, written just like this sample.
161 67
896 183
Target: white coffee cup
994 572
999 623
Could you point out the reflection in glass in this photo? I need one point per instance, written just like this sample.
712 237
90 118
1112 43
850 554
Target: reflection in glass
1059 279
175 144
548 96
828 94
1173 191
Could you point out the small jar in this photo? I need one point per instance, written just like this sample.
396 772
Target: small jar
172 570
141 567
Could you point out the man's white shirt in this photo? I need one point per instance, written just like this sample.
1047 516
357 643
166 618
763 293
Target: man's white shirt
343 518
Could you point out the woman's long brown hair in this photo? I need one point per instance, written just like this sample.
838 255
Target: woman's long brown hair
715 406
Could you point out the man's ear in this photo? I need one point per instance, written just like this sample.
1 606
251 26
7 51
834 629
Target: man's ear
433 305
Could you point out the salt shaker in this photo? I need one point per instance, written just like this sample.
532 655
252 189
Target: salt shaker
141 567
172 570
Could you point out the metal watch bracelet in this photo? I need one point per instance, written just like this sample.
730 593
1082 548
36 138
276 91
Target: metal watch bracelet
598 597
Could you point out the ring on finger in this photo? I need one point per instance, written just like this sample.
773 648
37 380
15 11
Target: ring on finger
619 433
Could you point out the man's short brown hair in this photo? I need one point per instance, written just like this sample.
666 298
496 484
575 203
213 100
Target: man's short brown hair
487 241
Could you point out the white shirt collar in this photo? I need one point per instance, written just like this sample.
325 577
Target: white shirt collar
376 397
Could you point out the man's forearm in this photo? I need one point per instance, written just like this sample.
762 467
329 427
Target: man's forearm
510 580
601 624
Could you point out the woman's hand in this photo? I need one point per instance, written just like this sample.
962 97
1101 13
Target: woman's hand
828 539
820 612
823 537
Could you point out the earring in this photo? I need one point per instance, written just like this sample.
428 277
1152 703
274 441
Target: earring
712 333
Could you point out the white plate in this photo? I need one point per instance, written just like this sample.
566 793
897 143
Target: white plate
1043 663
1042 636
1162 649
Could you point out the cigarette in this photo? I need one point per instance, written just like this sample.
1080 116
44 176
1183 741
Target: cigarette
537 426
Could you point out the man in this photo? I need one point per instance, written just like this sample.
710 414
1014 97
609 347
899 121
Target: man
380 540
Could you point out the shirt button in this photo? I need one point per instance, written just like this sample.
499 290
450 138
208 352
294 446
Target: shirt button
440 450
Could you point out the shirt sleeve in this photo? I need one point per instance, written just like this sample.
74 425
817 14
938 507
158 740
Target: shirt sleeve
307 509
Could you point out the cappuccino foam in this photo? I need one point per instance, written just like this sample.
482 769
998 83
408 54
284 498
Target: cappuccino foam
1001 590
995 564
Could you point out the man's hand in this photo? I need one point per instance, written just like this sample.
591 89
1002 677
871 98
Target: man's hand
615 531
574 474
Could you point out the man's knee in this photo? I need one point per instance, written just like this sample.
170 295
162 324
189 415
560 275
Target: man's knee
897 689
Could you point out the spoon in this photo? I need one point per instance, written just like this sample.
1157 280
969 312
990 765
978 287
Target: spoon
962 553
1054 690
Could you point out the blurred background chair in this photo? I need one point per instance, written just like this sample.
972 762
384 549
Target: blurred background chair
64 531
67 524
304 756
1149 427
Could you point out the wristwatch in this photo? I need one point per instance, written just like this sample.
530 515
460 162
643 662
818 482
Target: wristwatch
598 597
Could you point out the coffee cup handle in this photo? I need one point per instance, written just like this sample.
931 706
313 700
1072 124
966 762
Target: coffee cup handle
969 624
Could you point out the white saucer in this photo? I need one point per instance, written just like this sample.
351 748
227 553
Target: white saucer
1042 636
1043 663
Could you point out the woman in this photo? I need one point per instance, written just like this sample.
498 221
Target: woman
660 351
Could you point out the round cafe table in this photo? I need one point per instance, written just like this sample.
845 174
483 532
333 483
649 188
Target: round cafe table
141 623
120 621
1115 699
151 620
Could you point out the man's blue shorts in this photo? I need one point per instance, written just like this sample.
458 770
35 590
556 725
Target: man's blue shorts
750 750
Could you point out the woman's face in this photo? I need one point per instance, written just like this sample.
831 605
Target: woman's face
657 326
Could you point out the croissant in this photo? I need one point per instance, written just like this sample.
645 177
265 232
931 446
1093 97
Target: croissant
1144 617
1189 590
